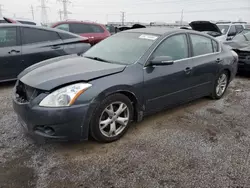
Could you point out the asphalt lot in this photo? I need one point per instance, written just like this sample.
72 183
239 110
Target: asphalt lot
202 144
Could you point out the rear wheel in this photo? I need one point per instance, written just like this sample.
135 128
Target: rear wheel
112 118
220 85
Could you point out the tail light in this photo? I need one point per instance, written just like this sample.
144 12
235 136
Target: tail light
85 40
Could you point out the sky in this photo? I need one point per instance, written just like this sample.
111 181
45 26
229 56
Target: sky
135 10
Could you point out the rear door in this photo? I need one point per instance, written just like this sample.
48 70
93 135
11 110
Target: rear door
169 85
10 52
95 33
206 62
39 44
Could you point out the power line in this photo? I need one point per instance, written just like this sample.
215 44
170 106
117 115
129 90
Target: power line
44 15
65 8
32 12
1 10
60 12
181 22
141 3
191 11
123 17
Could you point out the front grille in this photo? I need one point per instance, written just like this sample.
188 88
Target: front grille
25 93
243 55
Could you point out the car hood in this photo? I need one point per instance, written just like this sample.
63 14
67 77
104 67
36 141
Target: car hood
66 69
204 26
243 46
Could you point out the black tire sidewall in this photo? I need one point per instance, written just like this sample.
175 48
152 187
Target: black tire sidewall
214 94
94 125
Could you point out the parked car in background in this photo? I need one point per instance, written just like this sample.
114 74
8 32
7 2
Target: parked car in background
19 20
223 31
24 45
93 31
241 45
230 29
206 27
112 29
247 26
121 79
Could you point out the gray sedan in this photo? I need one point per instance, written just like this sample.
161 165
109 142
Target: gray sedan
121 79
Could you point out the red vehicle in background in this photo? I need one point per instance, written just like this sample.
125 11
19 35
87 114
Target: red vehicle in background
93 31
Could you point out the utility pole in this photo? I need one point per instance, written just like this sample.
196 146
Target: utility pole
123 18
181 22
1 10
60 12
65 8
44 15
32 12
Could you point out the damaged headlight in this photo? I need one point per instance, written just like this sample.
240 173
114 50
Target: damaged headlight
65 96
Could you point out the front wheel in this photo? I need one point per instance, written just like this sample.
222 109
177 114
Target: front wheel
220 85
112 118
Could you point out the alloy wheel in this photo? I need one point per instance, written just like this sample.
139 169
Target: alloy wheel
221 85
114 119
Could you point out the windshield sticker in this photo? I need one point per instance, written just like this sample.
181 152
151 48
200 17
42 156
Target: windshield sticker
149 37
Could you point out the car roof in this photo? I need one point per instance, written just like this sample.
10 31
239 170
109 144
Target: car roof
36 27
74 21
162 31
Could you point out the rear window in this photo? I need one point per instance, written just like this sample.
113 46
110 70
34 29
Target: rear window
64 27
8 36
32 35
81 28
201 45
65 36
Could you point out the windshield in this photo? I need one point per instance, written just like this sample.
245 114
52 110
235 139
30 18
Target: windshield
223 28
122 48
240 38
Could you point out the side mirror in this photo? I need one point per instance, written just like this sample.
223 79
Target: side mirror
162 60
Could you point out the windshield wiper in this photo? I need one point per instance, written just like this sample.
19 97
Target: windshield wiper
103 60
97 59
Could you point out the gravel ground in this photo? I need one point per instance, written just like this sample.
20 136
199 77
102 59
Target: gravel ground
202 144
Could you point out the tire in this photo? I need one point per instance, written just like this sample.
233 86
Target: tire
222 76
105 119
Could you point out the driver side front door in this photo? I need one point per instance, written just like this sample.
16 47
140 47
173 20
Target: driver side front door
169 85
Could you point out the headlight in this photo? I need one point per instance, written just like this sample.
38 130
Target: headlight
65 96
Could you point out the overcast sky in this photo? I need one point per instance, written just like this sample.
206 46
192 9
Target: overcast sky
136 10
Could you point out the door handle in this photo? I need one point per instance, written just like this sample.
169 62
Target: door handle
218 60
188 70
14 51
55 47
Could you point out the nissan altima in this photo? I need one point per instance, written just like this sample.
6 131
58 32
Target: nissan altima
121 79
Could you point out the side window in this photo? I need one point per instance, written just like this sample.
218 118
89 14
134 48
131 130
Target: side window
32 35
215 46
8 36
175 47
97 29
239 28
247 35
232 30
80 28
67 36
201 45
64 27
